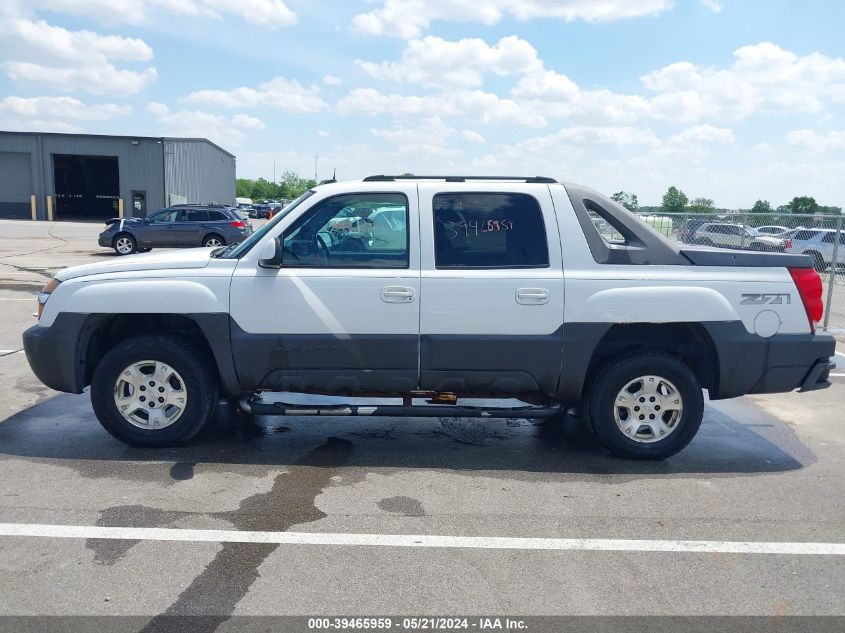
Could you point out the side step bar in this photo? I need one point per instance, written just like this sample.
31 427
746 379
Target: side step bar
259 406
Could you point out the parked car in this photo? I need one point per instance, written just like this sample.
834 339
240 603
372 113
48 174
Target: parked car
474 302
686 233
262 211
772 229
819 244
247 209
737 236
182 225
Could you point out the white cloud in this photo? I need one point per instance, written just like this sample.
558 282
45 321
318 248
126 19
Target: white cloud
100 80
60 108
247 121
703 134
284 94
55 114
195 123
714 6
266 13
429 136
763 76
37 52
433 61
323 133
408 18
486 107
472 136
832 141
331 80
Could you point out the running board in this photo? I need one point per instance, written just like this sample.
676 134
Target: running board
260 406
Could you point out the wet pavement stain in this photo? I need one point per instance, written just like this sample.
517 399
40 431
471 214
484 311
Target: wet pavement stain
109 551
406 506
216 591
182 471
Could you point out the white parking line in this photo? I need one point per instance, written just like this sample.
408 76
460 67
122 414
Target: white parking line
426 540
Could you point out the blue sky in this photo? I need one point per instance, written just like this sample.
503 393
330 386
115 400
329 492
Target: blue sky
729 99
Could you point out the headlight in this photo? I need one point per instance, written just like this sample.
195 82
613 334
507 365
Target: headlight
45 293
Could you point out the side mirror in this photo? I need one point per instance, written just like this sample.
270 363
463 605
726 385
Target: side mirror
271 254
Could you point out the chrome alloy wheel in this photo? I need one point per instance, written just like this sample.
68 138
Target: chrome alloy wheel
150 394
648 409
214 241
123 245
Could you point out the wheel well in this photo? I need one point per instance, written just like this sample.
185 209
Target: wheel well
213 234
126 233
688 341
106 331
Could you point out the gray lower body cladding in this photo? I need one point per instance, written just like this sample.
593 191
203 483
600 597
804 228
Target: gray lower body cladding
750 364
554 365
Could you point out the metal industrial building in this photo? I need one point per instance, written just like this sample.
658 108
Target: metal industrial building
93 177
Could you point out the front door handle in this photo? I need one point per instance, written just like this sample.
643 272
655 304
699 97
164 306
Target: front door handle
532 296
397 294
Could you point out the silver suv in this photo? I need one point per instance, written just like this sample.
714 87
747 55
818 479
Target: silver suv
737 236
818 244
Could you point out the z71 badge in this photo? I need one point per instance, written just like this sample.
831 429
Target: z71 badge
766 299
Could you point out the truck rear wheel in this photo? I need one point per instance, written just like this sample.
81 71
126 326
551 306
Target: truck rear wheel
645 406
153 391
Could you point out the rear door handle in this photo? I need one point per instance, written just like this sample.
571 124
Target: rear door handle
532 296
397 294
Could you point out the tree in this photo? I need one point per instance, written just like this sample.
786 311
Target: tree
702 205
803 205
674 200
761 206
243 188
627 200
291 185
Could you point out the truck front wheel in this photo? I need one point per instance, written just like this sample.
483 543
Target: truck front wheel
645 406
153 391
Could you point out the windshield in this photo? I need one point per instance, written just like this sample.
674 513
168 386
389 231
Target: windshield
235 251
753 232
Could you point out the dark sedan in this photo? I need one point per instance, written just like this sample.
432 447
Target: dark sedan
175 226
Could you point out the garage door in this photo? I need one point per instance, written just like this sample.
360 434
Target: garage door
15 184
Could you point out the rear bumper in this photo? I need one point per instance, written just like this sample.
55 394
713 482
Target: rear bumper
105 240
784 362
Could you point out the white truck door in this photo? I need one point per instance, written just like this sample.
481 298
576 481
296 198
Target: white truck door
492 288
342 314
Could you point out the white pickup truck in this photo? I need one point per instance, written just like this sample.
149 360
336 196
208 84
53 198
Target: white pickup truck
448 289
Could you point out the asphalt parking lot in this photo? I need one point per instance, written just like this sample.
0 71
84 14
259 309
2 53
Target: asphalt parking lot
763 470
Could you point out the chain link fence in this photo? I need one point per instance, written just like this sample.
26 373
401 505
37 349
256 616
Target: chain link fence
820 236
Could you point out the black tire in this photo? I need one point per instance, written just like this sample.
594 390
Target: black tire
121 237
195 368
213 236
609 382
145 249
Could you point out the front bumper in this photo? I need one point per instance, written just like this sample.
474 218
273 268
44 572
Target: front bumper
54 353
784 362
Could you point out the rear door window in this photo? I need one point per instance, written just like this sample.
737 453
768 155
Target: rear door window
489 230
